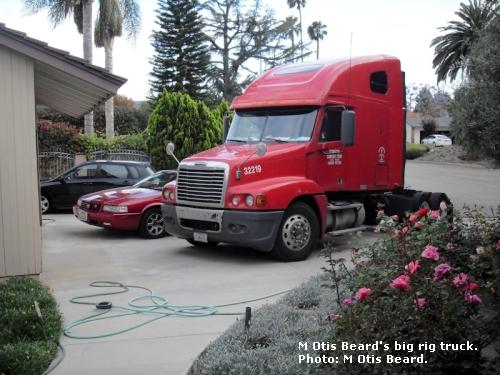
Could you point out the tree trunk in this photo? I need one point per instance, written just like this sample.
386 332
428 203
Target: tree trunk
301 40
109 105
87 54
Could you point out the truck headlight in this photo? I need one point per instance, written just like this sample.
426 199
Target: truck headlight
115 209
235 200
249 200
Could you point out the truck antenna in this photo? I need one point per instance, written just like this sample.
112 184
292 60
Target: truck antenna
350 74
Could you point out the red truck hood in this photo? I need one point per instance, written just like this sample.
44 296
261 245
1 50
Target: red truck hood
122 195
234 154
281 159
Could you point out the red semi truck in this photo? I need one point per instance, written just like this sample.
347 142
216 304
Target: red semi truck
313 148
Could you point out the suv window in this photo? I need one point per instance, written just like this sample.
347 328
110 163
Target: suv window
134 173
330 129
87 171
114 171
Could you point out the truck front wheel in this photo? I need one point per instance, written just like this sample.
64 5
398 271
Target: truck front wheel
299 232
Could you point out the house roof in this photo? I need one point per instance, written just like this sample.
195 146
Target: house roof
63 82
414 120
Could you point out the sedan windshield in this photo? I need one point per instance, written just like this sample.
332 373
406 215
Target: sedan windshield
155 181
272 125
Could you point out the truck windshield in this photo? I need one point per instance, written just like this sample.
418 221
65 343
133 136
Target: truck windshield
272 125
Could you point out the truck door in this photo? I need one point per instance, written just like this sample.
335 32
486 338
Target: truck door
330 160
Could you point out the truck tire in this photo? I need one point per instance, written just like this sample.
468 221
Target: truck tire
421 200
298 234
202 244
152 224
436 199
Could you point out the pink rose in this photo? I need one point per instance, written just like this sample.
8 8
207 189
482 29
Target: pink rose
333 317
418 225
473 299
479 250
363 293
395 217
413 218
461 280
430 252
441 271
380 214
497 245
347 301
435 214
413 267
420 303
402 282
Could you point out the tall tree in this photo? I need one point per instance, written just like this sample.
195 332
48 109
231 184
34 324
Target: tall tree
317 32
113 16
181 59
291 29
452 50
299 4
58 11
237 35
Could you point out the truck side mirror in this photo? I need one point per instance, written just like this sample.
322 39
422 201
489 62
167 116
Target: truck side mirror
347 127
225 127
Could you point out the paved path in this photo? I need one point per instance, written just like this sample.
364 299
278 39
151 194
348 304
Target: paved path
76 254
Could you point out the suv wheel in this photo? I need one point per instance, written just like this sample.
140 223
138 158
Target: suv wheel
44 204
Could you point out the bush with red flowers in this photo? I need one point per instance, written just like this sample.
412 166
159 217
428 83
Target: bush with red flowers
430 280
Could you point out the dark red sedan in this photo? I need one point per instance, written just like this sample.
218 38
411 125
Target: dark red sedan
135 208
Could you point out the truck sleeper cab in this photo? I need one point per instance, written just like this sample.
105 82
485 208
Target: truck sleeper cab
312 148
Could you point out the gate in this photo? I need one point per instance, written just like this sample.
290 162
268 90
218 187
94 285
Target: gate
120 154
52 164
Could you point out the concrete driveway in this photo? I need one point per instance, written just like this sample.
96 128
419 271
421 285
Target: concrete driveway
76 254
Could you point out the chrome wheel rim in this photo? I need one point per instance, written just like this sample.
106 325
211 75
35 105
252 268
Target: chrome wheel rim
44 204
154 224
296 232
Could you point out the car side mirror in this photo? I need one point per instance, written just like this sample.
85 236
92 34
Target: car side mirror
347 127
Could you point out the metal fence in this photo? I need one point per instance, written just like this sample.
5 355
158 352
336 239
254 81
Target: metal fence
121 154
52 164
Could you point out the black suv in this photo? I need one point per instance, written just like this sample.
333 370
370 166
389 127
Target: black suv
64 190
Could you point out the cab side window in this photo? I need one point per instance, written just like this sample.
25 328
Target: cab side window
378 82
330 129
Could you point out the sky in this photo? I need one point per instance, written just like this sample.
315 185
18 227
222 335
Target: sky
402 28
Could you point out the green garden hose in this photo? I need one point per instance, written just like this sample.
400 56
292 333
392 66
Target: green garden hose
149 304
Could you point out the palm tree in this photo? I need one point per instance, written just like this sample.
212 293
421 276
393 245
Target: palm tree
451 50
317 32
58 11
292 28
299 4
112 17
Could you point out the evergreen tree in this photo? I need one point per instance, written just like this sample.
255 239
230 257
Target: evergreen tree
180 63
188 123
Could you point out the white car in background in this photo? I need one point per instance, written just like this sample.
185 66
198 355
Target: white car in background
436 140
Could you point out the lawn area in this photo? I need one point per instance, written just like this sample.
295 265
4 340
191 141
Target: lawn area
428 282
28 344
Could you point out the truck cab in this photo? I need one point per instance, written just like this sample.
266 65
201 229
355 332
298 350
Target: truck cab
312 148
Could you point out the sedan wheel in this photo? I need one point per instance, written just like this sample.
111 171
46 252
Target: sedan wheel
44 204
152 224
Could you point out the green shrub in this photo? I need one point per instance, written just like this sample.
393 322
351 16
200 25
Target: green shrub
27 346
424 284
95 141
189 124
58 137
415 150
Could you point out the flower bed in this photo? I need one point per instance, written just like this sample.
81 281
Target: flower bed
427 282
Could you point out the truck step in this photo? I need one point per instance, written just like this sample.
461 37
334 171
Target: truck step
340 232
346 206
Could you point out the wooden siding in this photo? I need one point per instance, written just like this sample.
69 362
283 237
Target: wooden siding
20 232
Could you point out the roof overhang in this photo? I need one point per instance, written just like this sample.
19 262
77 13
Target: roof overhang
63 82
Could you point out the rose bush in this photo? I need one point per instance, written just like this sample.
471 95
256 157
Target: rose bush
430 280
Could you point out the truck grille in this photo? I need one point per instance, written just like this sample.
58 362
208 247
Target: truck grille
201 185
